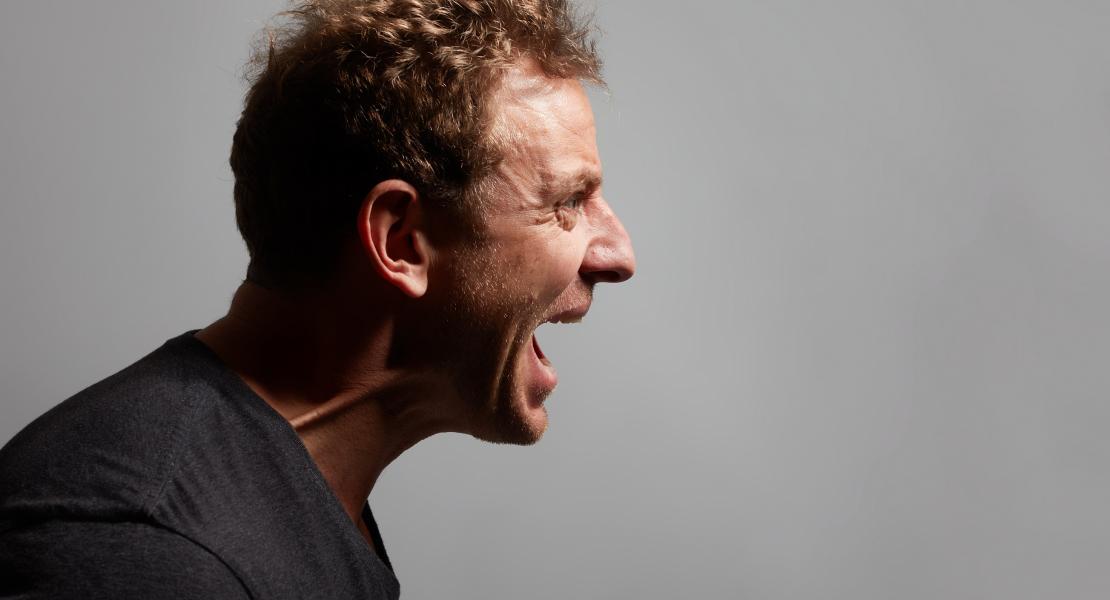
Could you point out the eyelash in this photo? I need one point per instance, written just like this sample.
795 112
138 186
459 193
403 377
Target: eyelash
570 209
575 202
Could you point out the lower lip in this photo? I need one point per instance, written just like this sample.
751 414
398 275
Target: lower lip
543 373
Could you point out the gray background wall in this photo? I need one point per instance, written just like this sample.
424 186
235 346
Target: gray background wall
866 354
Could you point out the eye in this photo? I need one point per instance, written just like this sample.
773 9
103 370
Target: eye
575 202
570 209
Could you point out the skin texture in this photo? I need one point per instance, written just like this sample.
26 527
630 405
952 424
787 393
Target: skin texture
551 237
422 332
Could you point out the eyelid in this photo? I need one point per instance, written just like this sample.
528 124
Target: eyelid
570 209
577 199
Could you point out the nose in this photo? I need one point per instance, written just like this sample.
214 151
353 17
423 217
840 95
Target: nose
609 257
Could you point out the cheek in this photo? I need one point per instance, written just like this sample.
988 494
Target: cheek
558 267
539 270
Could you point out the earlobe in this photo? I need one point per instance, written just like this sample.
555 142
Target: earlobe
393 234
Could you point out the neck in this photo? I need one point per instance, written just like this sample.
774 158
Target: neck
321 362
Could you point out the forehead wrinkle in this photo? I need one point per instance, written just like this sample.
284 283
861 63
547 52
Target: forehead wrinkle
536 124
533 94
522 148
537 148
515 185
543 113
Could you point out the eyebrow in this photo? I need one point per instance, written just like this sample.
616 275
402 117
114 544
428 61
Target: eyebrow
585 180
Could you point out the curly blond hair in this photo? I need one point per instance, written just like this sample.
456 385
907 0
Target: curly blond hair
347 93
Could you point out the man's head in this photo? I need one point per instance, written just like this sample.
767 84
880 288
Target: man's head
351 93
451 145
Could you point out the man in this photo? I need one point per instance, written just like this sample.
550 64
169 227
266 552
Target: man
419 188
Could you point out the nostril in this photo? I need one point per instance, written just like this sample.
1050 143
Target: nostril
622 275
608 265
612 274
607 277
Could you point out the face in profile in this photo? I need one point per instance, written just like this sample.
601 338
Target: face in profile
549 236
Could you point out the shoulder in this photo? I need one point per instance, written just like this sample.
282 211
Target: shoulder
63 559
105 453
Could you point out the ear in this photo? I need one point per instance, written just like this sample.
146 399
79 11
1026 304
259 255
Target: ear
392 230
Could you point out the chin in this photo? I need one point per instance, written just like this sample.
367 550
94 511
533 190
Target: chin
518 421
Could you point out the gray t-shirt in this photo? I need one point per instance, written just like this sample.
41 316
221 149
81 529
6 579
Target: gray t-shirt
172 479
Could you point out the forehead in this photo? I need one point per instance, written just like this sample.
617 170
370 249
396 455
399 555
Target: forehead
546 129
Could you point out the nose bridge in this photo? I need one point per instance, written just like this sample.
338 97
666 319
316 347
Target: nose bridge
609 257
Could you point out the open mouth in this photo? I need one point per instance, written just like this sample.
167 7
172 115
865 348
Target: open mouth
543 371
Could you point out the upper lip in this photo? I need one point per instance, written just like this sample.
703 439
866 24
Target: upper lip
571 315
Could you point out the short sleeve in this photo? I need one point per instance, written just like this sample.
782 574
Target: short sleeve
68 559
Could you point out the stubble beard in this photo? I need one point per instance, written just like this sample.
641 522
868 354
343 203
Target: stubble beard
480 313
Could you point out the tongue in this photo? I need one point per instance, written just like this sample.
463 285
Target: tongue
536 347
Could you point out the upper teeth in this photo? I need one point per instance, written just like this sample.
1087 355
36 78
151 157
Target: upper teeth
563 320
